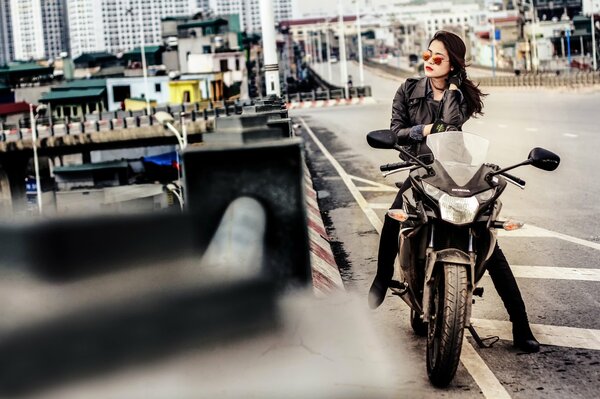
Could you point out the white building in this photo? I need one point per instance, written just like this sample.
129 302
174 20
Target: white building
249 11
6 44
114 25
56 36
27 28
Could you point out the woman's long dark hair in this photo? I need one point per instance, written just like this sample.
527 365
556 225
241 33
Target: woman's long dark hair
457 51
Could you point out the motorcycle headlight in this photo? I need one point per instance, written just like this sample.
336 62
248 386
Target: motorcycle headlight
458 210
485 196
432 191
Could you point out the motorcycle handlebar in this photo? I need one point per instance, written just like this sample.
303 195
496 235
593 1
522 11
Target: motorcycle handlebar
514 178
393 166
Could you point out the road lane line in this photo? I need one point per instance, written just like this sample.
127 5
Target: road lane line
371 215
533 231
532 129
569 337
500 125
371 182
377 189
556 273
571 135
483 376
481 373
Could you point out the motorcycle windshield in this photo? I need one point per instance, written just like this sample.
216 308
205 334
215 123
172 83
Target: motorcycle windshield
461 154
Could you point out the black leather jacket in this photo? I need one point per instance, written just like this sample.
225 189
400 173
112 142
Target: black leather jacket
413 105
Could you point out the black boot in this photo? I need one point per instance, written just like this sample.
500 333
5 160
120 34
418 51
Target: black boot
523 337
388 249
508 290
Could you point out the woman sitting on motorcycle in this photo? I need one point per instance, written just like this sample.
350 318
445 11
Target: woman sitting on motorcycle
443 100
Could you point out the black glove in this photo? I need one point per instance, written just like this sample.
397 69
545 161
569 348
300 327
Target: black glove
493 166
439 126
457 77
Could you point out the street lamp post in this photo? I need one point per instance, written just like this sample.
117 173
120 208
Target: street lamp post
342 44
167 120
328 34
360 50
594 62
36 163
142 51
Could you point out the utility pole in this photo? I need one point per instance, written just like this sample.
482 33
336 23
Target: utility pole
342 43
143 53
327 37
269 48
360 50
594 62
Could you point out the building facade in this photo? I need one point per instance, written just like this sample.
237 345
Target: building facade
249 11
27 27
56 28
6 44
114 25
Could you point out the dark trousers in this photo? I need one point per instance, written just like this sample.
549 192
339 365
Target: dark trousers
497 266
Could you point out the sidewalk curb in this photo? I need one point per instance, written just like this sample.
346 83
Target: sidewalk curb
325 271
330 103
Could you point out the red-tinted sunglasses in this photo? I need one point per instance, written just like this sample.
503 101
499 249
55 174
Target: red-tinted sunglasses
437 59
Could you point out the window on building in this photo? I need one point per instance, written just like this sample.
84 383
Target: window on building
157 88
224 66
237 64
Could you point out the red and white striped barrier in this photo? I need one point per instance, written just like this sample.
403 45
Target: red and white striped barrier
330 103
326 275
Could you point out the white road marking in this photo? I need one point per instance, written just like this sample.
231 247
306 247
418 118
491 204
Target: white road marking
570 337
556 273
481 373
377 189
483 376
532 129
500 125
371 182
370 213
571 135
533 231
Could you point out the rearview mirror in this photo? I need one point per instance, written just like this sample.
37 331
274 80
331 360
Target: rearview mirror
544 159
383 139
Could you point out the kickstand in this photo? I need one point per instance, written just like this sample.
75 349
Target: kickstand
481 342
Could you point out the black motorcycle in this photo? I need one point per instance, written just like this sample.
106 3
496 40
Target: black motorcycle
449 219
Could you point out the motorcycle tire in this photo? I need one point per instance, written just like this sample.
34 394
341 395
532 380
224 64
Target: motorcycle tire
419 327
447 323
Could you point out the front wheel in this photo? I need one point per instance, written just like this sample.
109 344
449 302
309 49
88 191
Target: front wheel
447 322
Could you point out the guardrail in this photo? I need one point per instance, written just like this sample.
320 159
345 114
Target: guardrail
330 94
543 80
116 120
241 240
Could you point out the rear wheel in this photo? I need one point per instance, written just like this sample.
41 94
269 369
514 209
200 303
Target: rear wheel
447 323
417 324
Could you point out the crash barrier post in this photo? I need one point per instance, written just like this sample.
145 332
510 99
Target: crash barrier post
272 173
266 119
214 287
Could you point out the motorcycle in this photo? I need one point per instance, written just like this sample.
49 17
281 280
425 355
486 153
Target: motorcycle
449 225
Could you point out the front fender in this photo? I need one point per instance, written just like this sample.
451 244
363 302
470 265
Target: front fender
449 255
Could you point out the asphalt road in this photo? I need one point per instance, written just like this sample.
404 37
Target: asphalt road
555 258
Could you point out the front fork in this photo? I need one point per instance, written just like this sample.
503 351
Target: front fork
451 255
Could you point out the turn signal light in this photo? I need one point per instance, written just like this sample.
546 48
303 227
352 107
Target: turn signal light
398 214
511 225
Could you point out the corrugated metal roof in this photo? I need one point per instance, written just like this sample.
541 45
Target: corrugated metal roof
14 108
88 167
71 94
